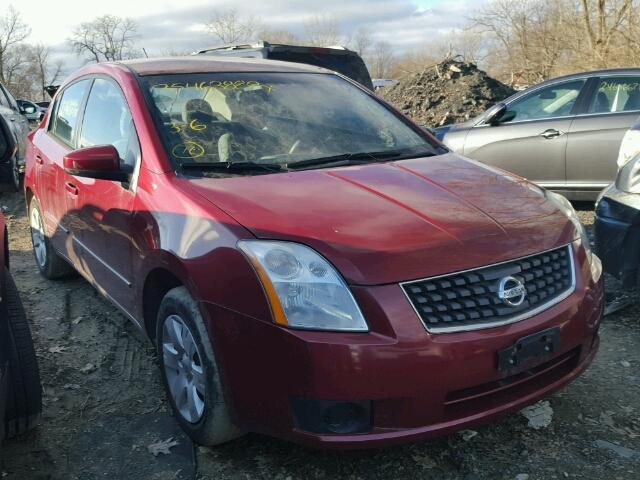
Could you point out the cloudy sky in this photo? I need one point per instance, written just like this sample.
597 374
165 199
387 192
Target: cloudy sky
178 26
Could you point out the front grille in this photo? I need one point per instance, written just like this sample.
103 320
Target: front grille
470 300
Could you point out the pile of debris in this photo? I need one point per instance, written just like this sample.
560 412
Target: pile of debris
449 92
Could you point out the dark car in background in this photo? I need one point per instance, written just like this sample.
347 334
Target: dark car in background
20 389
563 134
338 59
617 223
12 166
31 110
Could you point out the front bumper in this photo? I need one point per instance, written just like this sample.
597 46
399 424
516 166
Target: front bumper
617 232
418 385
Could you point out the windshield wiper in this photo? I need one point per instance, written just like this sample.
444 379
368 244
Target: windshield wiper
234 167
360 157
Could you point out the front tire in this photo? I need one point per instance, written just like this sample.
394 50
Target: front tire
24 392
50 264
190 372
16 176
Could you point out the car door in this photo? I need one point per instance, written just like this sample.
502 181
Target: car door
50 145
103 235
530 138
595 136
20 124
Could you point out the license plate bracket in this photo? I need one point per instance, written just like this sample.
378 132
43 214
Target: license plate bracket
529 351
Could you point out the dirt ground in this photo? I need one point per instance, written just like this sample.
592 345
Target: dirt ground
104 405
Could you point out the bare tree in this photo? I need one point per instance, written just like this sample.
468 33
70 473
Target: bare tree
229 26
381 60
43 71
362 41
13 31
277 36
602 20
322 31
107 38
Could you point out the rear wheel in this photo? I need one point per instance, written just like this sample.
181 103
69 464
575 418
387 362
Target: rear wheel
24 393
190 372
50 264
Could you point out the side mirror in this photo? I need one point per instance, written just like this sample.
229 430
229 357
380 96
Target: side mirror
29 109
101 162
500 114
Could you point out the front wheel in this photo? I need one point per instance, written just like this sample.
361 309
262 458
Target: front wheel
190 372
16 175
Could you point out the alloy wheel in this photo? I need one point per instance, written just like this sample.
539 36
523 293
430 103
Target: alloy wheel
183 368
38 238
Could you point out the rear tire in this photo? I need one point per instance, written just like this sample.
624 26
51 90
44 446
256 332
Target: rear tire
186 355
24 392
50 264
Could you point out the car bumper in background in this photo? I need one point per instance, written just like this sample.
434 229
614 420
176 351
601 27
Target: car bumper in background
617 231
398 382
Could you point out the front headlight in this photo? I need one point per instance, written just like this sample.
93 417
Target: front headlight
304 290
629 148
565 207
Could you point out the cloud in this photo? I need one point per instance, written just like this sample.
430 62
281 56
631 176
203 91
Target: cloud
405 24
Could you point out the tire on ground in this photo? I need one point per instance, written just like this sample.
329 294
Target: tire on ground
215 426
24 392
55 266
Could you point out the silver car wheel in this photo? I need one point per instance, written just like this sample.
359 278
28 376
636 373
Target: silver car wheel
38 238
183 369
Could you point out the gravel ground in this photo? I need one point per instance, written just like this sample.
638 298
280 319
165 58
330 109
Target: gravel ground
104 406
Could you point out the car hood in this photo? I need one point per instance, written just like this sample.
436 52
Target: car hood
397 221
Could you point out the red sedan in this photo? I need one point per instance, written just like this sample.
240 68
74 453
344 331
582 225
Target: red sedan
309 263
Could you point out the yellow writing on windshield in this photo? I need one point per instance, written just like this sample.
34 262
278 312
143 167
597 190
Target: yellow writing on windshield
188 149
193 125
221 85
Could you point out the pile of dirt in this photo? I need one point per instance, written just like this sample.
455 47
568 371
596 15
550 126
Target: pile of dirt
449 92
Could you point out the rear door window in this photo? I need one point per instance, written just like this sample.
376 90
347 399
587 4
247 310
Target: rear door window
548 102
68 111
616 94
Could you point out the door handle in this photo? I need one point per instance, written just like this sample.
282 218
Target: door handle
71 188
39 159
551 133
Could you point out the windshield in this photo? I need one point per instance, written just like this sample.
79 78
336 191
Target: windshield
276 119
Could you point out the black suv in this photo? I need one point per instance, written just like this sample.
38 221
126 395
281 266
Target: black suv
20 389
338 59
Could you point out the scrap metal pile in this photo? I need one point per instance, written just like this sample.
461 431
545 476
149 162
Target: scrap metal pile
449 92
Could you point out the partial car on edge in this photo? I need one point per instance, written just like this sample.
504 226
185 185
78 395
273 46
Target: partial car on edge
617 223
563 134
20 389
308 262
31 110
12 168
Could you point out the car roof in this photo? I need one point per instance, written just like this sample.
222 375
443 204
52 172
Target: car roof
594 73
204 64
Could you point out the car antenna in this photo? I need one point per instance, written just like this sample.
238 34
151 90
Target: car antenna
145 52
